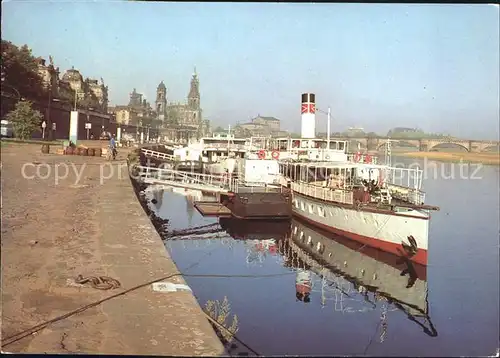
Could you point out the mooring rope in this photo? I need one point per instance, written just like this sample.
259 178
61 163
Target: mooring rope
193 230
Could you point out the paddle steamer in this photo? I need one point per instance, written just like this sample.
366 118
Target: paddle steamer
377 205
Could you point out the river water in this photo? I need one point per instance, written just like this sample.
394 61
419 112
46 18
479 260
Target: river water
452 309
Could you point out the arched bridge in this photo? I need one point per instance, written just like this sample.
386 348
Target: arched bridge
423 145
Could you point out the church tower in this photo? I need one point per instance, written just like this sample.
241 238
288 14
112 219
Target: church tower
194 92
161 101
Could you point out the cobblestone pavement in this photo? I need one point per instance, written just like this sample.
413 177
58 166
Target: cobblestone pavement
54 230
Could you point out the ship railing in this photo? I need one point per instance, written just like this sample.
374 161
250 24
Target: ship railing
170 175
363 158
155 154
410 195
405 184
404 177
326 194
230 146
239 186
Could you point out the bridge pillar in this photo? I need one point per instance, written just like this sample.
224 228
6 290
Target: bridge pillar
423 146
371 143
473 148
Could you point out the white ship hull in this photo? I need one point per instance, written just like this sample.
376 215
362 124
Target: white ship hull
382 230
379 273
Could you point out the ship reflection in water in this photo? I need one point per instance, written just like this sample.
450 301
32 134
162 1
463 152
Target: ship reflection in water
377 276
341 264
330 273
306 292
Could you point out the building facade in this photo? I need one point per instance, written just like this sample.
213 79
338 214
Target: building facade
179 122
260 126
73 88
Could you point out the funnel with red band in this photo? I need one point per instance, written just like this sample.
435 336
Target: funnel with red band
308 110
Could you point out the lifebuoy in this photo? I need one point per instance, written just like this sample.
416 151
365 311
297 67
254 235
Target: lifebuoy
275 154
368 158
357 157
262 154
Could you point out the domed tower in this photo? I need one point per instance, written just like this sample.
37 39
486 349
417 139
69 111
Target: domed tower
161 101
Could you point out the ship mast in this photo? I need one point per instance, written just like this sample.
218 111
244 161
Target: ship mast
328 131
388 153
228 139
388 160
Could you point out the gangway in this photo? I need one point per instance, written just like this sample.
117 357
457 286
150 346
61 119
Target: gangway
159 155
189 180
208 183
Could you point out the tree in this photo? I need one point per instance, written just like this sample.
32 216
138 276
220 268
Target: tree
25 120
20 70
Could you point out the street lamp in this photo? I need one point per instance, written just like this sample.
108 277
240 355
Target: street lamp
50 99
88 125
49 122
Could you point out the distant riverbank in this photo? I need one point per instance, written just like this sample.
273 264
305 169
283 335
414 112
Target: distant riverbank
484 158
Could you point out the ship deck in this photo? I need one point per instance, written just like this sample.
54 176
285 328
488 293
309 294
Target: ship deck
257 189
212 208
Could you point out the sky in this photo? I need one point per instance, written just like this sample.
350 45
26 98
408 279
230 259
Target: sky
377 66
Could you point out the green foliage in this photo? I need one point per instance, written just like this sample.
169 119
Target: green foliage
20 70
220 311
25 120
67 96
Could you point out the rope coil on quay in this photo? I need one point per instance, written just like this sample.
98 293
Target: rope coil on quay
99 282
30 331
18 336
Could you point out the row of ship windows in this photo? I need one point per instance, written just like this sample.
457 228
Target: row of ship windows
321 249
320 210
302 206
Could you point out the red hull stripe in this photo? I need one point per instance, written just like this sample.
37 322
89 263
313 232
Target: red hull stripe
420 257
